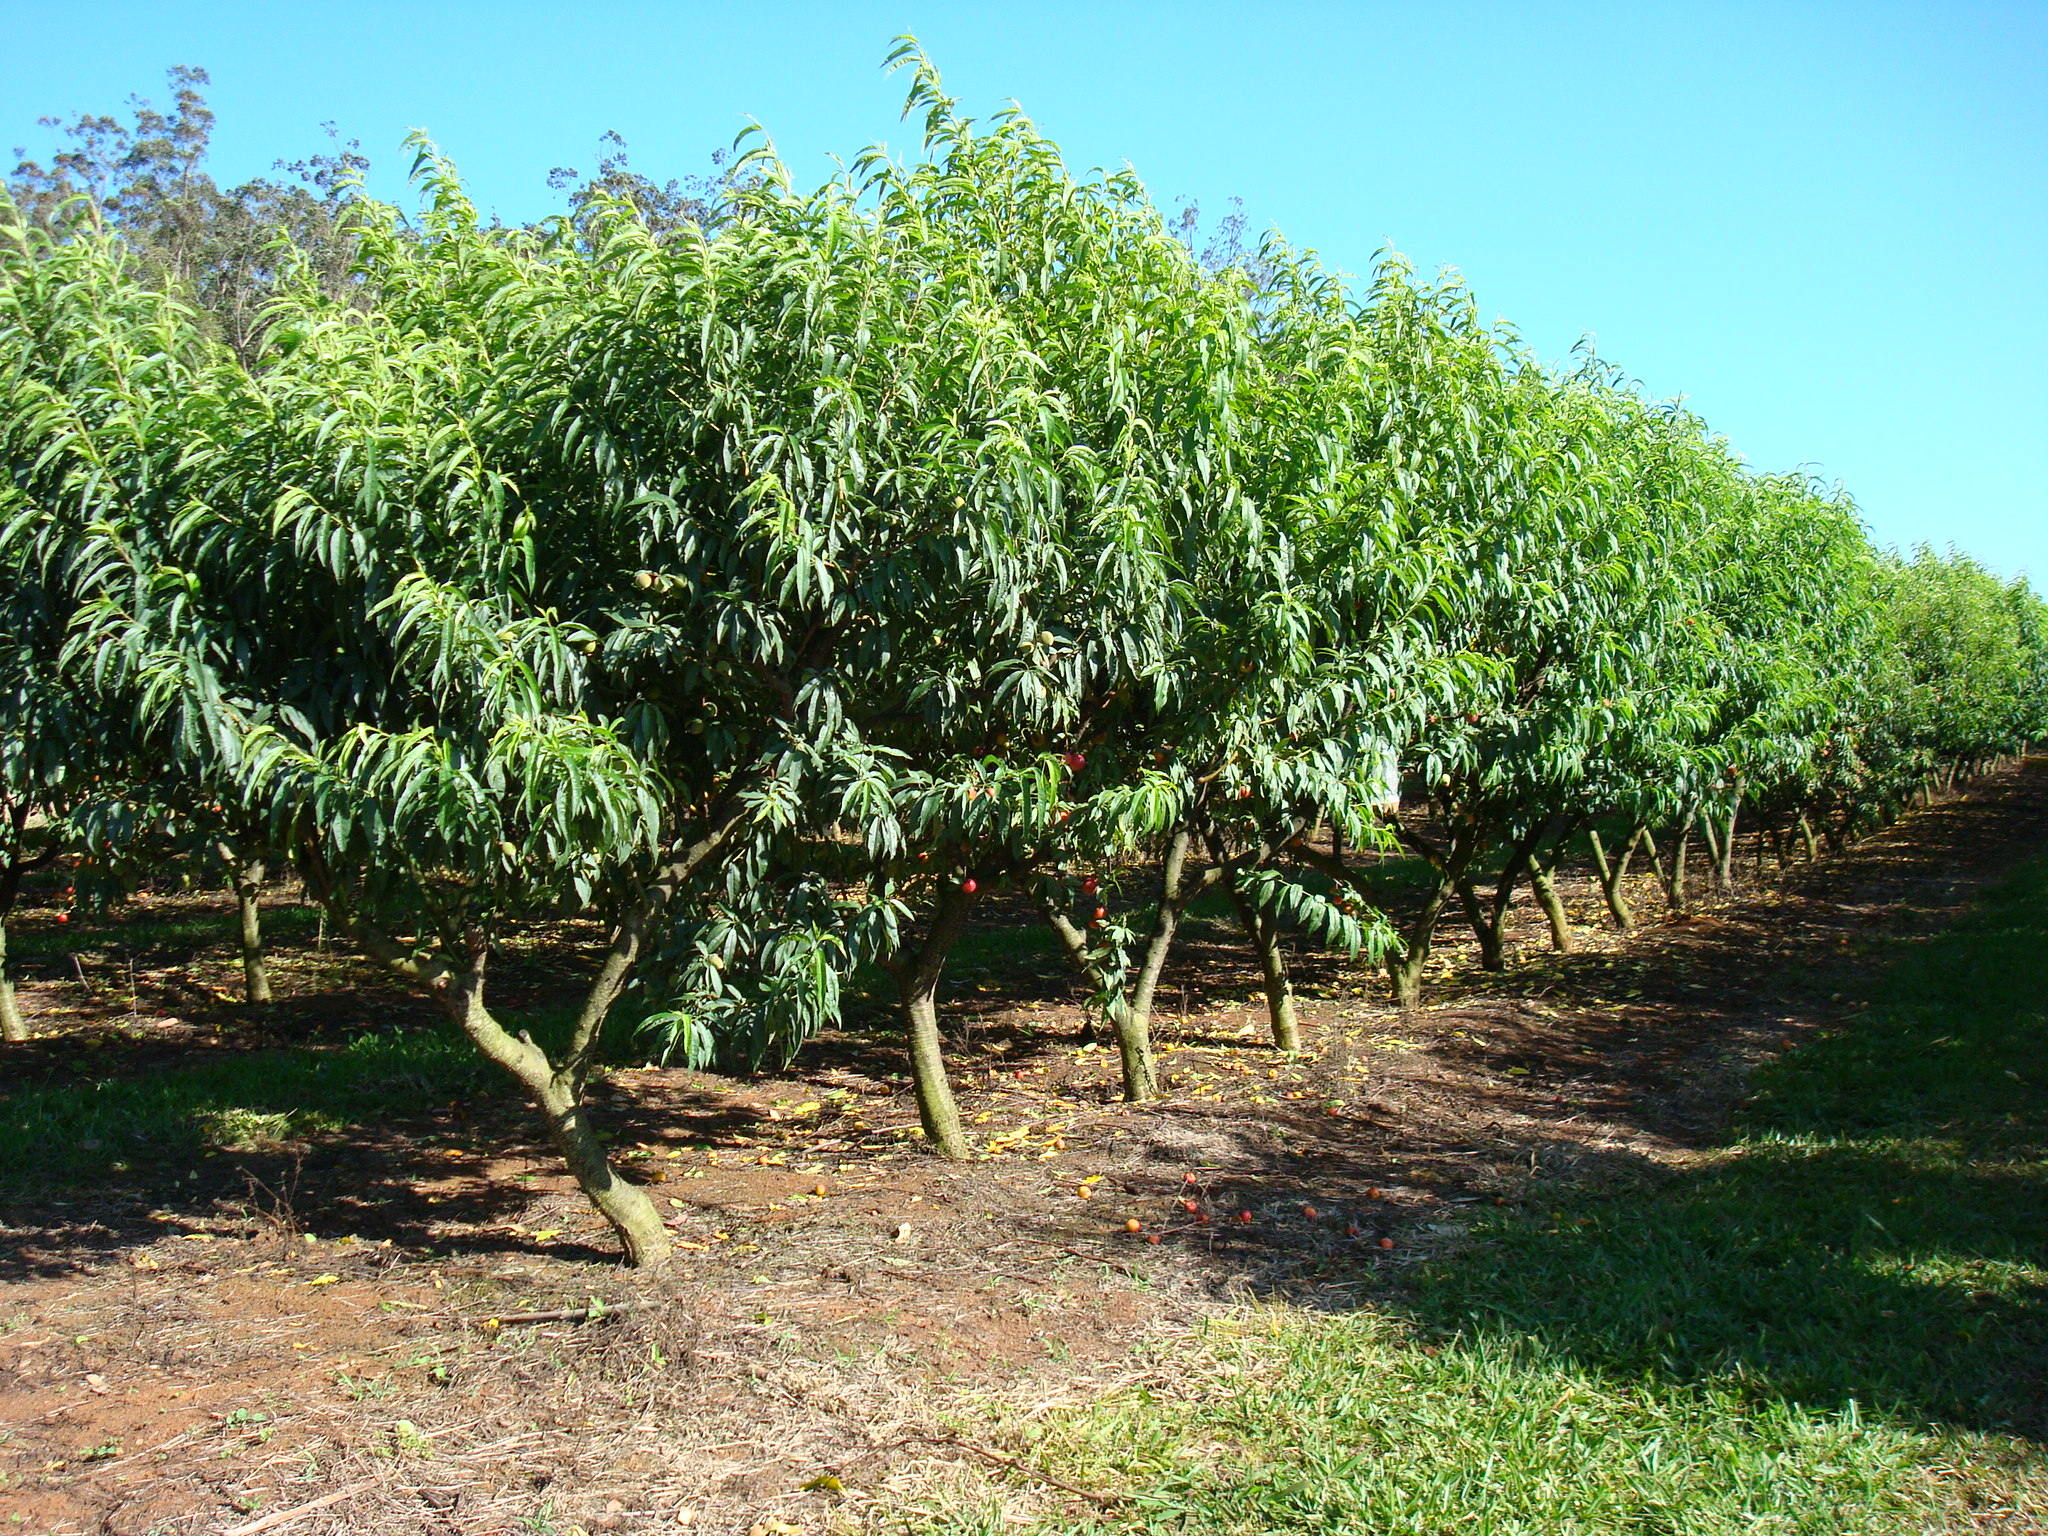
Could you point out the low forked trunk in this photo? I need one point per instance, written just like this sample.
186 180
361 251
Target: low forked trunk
1725 875
454 979
1488 926
559 1095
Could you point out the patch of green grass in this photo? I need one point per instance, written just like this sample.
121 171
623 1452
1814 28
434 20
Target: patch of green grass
157 938
243 1101
1836 1323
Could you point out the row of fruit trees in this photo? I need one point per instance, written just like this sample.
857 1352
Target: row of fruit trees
776 588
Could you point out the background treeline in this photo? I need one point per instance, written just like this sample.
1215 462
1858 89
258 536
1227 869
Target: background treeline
774 575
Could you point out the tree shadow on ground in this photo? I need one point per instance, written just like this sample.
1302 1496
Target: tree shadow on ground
1876 1229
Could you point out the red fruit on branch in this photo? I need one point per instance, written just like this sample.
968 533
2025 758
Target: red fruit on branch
1244 792
969 887
63 917
1090 886
1075 762
1101 913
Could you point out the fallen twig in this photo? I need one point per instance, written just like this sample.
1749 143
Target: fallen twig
276 1518
1012 1463
590 1314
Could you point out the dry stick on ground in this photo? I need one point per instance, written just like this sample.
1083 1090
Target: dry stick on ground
276 1518
1006 1461
590 1314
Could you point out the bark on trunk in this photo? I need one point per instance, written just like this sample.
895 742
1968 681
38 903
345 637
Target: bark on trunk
1553 909
1486 925
1130 1012
457 987
1406 969
1812 844
1674 882
13 1027
248 878
1727 872
1708 835
1612 874
1263 933
917 980
559 1097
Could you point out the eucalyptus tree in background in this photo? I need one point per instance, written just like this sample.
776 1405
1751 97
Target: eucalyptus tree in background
228 250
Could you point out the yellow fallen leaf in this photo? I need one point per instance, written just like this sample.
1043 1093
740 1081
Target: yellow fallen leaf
323 1280
198 1237
543 1236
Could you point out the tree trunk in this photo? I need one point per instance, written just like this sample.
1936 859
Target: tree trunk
1405 970
457 987
1727 880
936 1111
918 982
1553 909
1612 874
1812 846
1674 884
1486 925
1263 932
1709 834
247 875
559 1097
12 1027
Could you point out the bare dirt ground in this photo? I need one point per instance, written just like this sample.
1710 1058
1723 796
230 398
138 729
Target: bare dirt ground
417 1326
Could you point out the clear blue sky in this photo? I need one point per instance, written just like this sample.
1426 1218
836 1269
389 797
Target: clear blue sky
1825 224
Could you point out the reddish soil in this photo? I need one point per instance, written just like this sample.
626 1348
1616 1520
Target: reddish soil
346 1328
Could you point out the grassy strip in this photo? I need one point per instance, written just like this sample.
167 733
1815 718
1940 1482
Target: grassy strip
1838 1323
67 1132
